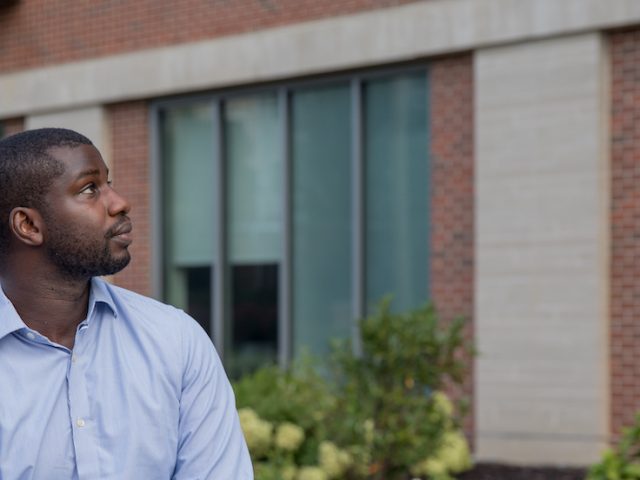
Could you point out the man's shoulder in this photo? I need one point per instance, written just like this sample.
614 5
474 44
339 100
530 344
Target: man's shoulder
130 297
143 310
155 326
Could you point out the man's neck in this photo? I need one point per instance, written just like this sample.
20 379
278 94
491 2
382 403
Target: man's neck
52 307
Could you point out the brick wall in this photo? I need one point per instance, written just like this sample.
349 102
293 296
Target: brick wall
452 197
625 228
131 178
11 126
41 32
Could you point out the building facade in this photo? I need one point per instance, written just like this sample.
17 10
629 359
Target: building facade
292 162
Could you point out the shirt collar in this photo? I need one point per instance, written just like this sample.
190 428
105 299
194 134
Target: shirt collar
100 294
10 321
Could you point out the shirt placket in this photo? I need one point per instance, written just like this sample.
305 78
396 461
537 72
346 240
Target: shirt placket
82 423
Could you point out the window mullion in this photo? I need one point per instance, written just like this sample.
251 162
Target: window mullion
284 300
358 211
219 276
157 194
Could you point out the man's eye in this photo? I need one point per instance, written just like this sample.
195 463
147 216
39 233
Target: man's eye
89 189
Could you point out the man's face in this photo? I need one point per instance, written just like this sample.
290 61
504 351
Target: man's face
87 227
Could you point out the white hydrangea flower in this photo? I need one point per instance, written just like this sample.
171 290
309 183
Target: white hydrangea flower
289 473
369 429
442 404
289 436
311 473
333 460
257 432
454 452
431 467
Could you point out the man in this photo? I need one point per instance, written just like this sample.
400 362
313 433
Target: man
96 382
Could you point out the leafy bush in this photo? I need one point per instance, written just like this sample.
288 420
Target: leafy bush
376 414
623 462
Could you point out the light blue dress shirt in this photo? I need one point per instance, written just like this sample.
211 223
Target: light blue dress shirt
142 396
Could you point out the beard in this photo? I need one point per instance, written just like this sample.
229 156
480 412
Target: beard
79 256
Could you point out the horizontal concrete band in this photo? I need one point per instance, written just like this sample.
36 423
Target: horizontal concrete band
376 37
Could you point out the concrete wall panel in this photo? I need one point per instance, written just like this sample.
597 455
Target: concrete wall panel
541 250
90 122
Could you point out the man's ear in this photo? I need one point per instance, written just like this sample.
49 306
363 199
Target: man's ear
27 225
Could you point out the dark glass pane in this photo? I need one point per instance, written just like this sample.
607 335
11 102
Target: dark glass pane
254 311
199 295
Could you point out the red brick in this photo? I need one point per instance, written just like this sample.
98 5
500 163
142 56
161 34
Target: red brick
11 126
625 222
451 123
131 175
44 32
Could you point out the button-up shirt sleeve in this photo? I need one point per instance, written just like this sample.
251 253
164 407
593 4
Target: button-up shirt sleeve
211 444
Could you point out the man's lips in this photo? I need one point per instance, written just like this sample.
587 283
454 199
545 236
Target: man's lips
121 233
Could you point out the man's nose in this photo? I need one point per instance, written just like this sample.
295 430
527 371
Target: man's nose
118 204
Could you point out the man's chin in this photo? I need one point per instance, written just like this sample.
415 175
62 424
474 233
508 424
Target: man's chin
113 266
118 264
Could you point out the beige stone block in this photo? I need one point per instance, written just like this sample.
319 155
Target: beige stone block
533 207
560 451
541 251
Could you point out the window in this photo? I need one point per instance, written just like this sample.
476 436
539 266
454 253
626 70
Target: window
397 195
189 240
288 212
321 216
253 154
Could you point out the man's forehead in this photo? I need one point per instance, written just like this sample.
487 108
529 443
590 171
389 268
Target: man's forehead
79 159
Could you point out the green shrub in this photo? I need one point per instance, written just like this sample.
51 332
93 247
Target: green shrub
376 414
395 384
276 405
623 462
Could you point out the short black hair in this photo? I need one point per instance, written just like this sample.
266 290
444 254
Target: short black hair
27 169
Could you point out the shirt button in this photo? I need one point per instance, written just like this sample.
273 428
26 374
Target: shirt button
31 335
74 358
80 422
